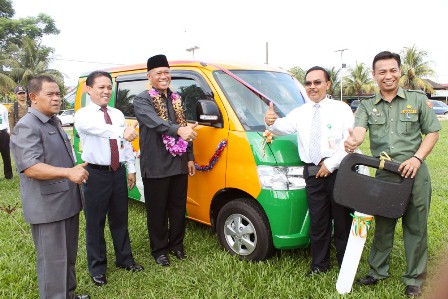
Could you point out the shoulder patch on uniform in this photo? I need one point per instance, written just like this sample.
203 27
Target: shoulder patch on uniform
416 90
429 104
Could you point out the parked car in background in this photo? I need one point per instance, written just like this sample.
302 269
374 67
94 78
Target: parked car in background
67 117
354 105
439 107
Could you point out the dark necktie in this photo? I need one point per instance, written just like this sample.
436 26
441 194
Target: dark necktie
114 155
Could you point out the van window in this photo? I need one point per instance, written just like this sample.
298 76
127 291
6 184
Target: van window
188 88
190 92
126 92
279 87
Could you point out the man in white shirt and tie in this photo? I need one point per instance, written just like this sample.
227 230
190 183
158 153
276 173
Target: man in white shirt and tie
321 127
106 147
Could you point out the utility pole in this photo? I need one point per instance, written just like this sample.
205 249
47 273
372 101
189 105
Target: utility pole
267 53
192 49
342 67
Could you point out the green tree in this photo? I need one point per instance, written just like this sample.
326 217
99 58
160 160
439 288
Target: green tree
12 30
30 60
335 87
358 81
298 73
414 67
14 49
6 10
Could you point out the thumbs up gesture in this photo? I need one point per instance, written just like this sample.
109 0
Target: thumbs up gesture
350 143
270 116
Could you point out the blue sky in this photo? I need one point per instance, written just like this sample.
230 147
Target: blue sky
98 34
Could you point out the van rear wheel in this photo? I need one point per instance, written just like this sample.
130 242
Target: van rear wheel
243 229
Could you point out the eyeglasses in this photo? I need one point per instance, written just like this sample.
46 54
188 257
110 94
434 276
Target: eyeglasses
22 92
315 82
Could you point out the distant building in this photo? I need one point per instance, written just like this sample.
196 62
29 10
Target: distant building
440 91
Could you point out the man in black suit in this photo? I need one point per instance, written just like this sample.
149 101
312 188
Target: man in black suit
166 159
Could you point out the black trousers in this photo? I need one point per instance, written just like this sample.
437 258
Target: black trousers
6 154
165 200
105 193
323 210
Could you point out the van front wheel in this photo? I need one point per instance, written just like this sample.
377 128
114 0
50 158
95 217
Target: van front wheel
243 229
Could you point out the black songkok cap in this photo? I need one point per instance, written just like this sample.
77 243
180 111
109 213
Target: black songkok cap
157 61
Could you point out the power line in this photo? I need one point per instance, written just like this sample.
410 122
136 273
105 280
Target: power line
83 61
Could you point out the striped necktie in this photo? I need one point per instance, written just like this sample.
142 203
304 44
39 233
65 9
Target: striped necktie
315 153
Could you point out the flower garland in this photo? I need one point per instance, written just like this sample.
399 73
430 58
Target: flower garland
213 159
179 147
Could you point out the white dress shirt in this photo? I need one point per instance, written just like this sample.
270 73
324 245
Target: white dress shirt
336 119
94 134
4 123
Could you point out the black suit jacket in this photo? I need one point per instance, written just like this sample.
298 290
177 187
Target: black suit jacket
155 160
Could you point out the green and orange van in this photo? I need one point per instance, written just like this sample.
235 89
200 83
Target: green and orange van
250 190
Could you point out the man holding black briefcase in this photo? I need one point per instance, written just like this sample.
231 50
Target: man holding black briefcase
321 126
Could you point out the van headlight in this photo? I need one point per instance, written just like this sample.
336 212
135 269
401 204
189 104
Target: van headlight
281 177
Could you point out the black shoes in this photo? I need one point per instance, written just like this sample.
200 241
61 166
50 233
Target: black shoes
162 260
315 271
99 280
179 254
368 280
82 297
134 267
413 291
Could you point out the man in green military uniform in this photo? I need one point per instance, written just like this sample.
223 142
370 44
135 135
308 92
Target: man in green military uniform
19 108
396 120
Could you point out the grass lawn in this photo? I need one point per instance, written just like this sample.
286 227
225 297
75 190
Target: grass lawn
209 272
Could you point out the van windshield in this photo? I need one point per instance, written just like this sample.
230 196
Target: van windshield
281 88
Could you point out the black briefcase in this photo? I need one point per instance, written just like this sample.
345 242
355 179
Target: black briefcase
370 195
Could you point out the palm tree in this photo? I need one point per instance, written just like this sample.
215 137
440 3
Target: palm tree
414 67
31 60
298 73
358 81
335 87
6 82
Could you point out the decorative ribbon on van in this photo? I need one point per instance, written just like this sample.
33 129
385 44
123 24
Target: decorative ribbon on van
179 147
213 159
267 139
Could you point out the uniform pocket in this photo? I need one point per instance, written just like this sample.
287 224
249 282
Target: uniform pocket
408 123
51 187
377 126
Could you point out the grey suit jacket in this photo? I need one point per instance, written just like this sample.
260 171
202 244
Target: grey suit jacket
33 141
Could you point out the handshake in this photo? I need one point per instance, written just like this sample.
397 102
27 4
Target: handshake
130 133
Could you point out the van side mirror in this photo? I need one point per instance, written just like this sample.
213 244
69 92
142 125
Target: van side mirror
208 113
